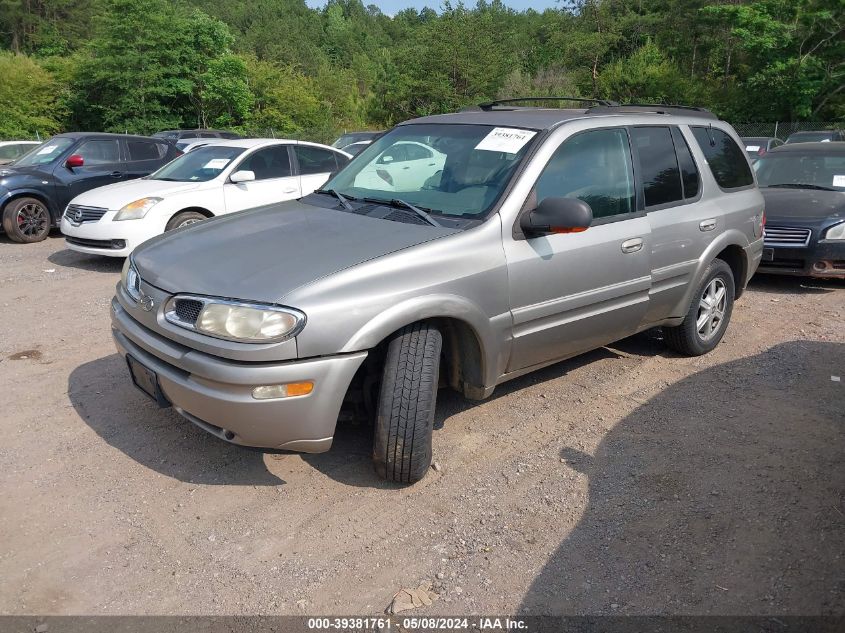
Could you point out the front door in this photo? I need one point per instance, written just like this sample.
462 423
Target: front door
577 291
102 166
316 165
274 180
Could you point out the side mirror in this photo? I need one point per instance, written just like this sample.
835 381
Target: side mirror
557 215
242 176
74 160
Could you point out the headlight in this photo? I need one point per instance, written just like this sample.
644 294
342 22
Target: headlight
136 210
234 320
131 279
836 232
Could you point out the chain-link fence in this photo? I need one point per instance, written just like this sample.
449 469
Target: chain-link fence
783 129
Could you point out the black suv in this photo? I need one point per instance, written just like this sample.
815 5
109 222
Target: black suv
36 189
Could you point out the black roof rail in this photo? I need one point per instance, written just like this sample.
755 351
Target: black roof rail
655 108
487 107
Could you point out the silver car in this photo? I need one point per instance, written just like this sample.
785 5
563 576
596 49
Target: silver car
458 250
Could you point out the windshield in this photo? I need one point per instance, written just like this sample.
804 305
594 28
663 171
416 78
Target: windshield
810 137
200 165
448 170
818 170
45 153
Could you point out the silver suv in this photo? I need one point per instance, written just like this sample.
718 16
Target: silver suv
457 250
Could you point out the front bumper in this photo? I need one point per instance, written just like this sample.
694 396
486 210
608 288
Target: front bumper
105 237
216 394
806 261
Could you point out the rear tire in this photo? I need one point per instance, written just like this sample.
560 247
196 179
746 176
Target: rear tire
405 414
709 314
184 218
27 220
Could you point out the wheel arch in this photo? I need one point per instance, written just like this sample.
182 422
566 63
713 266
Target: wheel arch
31 193
196 209
468 339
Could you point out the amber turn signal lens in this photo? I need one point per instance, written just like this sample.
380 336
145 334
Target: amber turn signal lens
291 389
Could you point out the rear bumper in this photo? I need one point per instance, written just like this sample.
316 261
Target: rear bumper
807 261
216 394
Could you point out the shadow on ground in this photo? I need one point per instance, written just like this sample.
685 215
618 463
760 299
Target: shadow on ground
790 285
103 396
82 261
350 459
721 495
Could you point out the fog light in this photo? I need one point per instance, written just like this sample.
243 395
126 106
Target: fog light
820 265
267 392
118 244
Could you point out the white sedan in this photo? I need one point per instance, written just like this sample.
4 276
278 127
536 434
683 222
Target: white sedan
227 176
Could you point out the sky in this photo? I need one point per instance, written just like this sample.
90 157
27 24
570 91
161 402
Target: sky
391 7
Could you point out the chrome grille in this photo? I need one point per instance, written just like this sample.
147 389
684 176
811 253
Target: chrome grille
78 214
786 236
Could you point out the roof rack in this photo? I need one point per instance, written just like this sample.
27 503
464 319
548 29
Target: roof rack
490 105
653 108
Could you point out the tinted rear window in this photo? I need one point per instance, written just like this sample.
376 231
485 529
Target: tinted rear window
727 161
689 172
146 150
658 166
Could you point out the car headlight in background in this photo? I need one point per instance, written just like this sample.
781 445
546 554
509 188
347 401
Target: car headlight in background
836 232
234 320
131 279
136 210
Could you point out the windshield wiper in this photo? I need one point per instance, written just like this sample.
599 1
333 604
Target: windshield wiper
398 202
343 199
795 185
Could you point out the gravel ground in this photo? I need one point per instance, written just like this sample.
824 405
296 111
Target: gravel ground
628 480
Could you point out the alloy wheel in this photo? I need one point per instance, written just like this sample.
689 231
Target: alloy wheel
711 309
33 219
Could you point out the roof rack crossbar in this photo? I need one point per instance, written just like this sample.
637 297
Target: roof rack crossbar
491 104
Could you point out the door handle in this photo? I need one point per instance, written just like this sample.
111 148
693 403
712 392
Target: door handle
116 174
707 225
632 245
288 190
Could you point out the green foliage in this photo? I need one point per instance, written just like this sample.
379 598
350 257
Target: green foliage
27 99
279 67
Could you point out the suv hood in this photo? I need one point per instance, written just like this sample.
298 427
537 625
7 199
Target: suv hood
119 194
265 253
808 207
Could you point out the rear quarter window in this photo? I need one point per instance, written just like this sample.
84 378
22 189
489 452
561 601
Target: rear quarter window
726 160
146 150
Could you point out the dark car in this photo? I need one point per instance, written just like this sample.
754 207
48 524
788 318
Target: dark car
345 140
804 188
822 136
181 138
757 146
36 189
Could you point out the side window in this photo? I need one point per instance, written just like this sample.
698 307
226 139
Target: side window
342 161
726 160
417 152
9 151
99 152
659 171
145 150
595 167
395 154
689 172
270 162
314 160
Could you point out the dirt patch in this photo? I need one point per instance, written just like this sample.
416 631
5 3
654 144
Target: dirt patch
27 354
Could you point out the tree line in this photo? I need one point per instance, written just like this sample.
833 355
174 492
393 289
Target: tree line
277 66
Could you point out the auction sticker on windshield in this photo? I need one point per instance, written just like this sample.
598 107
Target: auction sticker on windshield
505 139
216 163
48 150
839 181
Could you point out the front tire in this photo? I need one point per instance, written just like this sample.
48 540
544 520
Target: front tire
26 220
184 218
708 316
405 414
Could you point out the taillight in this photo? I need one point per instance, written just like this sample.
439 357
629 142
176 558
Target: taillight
386 177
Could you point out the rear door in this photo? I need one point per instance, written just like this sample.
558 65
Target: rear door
573 292
144 157
274 180
681 225
102 166
315 165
